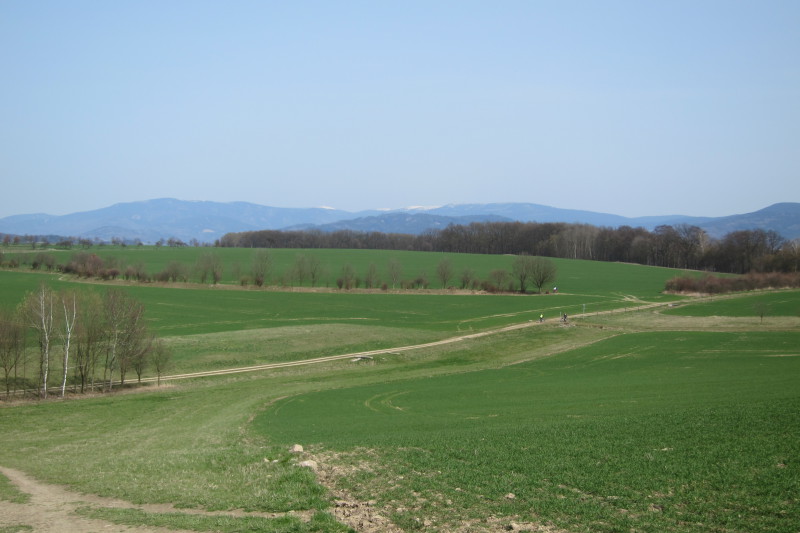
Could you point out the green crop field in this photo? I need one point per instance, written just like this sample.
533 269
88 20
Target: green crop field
768 304
699 428
576 277
679 418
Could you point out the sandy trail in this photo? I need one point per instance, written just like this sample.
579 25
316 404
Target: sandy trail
51 509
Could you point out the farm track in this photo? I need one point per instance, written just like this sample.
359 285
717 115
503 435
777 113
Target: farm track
52 509
370 353
636 305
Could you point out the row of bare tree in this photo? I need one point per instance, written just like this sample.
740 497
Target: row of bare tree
680 246
710 284
97 336
308 268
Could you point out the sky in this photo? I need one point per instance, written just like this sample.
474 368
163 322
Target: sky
627 107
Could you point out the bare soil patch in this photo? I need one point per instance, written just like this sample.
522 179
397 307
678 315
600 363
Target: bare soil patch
370 517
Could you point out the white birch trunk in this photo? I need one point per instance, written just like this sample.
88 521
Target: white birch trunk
42 320
69 324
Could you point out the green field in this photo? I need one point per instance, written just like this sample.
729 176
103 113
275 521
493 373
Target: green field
695 427
678 418
573 276
768 304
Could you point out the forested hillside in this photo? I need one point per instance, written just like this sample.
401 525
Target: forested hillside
681 246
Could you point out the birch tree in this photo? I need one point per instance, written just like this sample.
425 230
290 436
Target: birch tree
39 310
67 318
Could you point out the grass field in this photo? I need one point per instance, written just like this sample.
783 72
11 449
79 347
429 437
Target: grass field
605 279
768 304
679 419
644 431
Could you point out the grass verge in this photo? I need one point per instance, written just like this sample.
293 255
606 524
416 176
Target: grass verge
10 493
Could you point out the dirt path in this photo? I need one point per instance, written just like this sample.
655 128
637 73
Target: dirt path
460 338
398 349
51 509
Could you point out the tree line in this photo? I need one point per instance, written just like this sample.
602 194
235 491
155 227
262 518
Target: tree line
100 338
307 269
680 246
710 284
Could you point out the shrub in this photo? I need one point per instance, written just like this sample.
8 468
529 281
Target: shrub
753 281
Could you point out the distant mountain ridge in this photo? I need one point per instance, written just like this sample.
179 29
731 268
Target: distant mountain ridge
207 221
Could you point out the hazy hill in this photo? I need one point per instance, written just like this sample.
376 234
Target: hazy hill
166 217
207 221
783 218
403 222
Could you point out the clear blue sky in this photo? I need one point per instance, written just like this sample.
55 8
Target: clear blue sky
633 108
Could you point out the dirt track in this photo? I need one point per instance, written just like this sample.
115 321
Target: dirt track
317 360
51 508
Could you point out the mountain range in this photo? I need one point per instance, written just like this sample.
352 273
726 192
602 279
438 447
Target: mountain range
207 221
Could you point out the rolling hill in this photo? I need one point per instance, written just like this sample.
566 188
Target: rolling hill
152 220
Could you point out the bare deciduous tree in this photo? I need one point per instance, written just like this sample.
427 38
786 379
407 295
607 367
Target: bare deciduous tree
12 346
141 355
537 270
499 277
348 278
444 271
114 306
209 266
126 332
161 356
521 270
134 342
315 269
300 269
262 267
39 310
395 271
467 277
67 318
371 276
543 272
90 339
176 271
